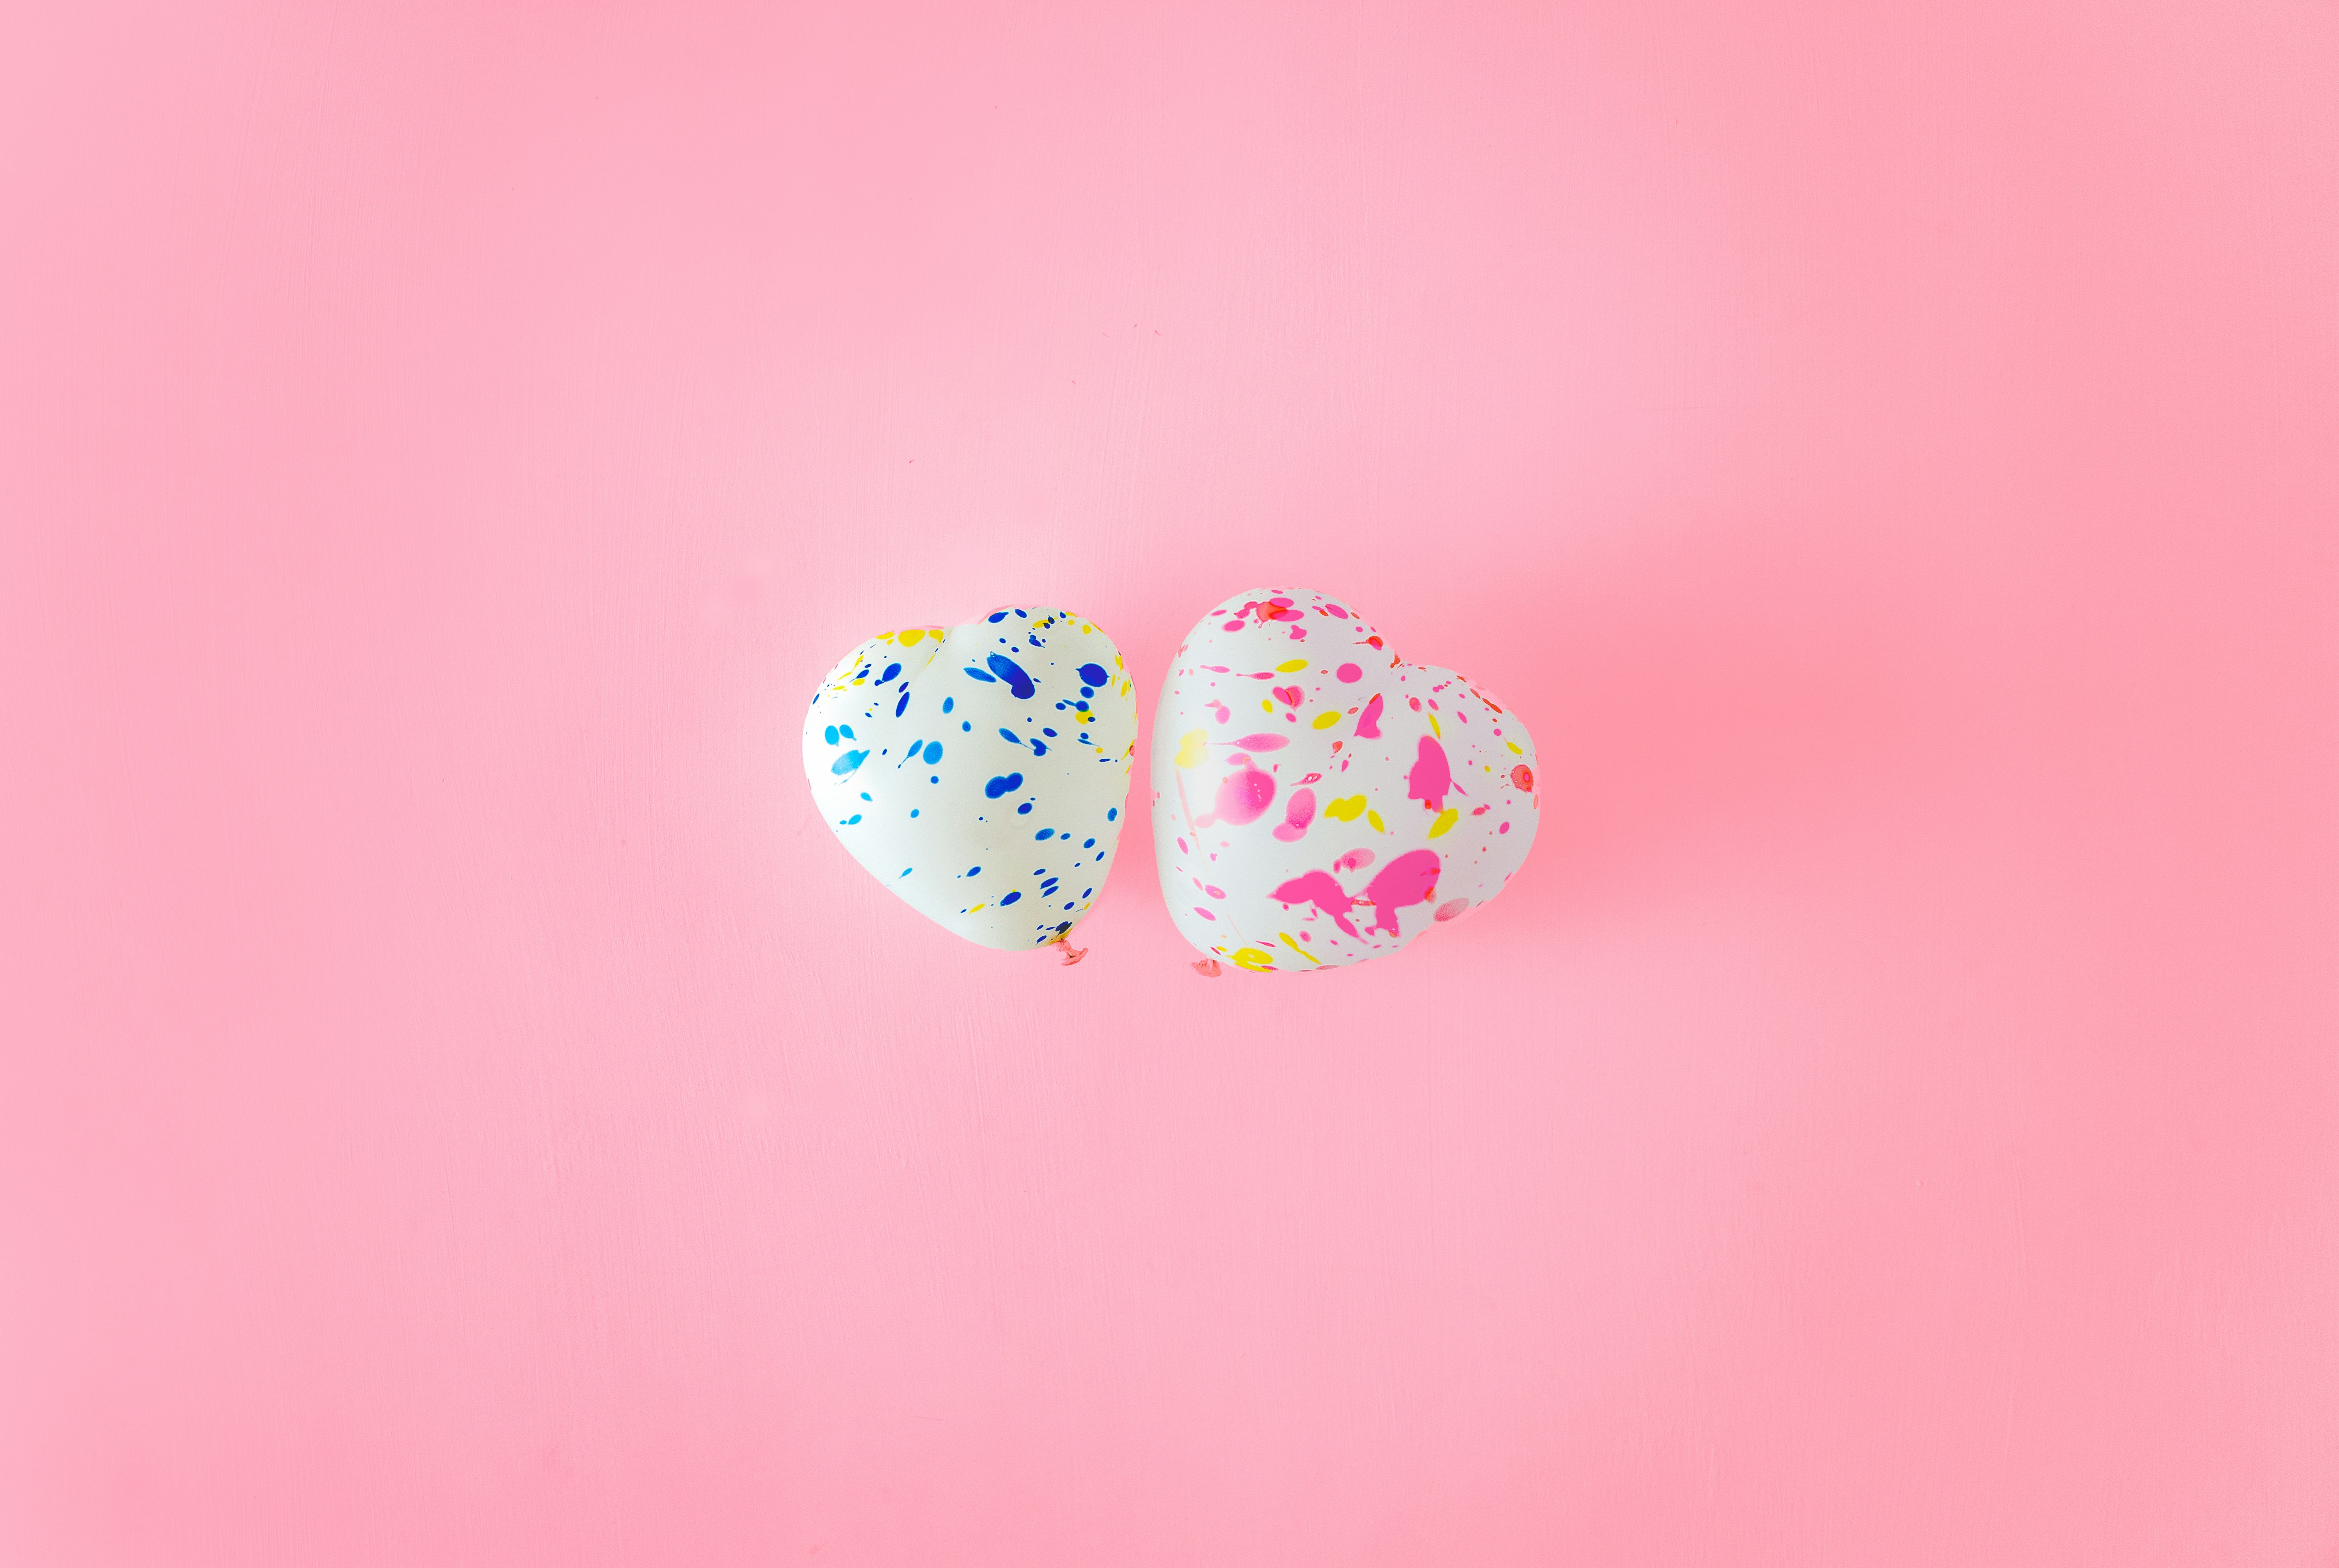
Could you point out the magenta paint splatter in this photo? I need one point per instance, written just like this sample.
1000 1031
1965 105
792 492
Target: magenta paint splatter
1262 743
1323 890
1298 811
1431 778
1410 878
1355 860
1368 722
1243 798
1349 673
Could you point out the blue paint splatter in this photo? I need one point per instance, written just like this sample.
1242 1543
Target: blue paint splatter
847 731
903 706
966 724
913 811
854 818
1039 748
1088 843
905 870
982 675
1049 733
1011 897
1000 786
949 703
890 671
831 735
1023 810
1045 833
996 616
933 753
974 871
847 762
1094 674
1112 815
1010 736
1008 670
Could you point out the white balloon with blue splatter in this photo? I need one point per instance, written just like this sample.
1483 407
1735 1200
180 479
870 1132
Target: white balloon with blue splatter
980 772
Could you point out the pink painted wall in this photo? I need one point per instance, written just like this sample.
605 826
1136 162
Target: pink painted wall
458 1106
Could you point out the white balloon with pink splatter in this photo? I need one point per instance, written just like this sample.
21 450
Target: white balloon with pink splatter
1317 801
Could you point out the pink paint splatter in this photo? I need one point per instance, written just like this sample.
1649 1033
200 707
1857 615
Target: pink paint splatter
1410 878
1288 695
1298 811
1368 722
1451 907
1349 673
1263 743
1243 796
1323 890
1355 860
1431 777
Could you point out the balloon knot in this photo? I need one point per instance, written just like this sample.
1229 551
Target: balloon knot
1207 969
1073 955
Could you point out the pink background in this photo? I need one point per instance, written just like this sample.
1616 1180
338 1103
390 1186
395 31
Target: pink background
458 1106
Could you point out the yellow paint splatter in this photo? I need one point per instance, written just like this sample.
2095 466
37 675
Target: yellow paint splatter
1288 665
1325 721
1253 958
1290 942
1191 748
1374 817
1433 727
1515 747
978 909
1265 706
1346 810
913 637
1445 820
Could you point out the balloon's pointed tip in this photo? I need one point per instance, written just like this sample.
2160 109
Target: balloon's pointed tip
1208 967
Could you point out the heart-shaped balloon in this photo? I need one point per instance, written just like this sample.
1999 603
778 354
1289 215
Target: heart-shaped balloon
1317 800
979 771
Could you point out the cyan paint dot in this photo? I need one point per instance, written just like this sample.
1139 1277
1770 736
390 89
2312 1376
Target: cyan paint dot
933 753
913 811
831 735
847 731
854 818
